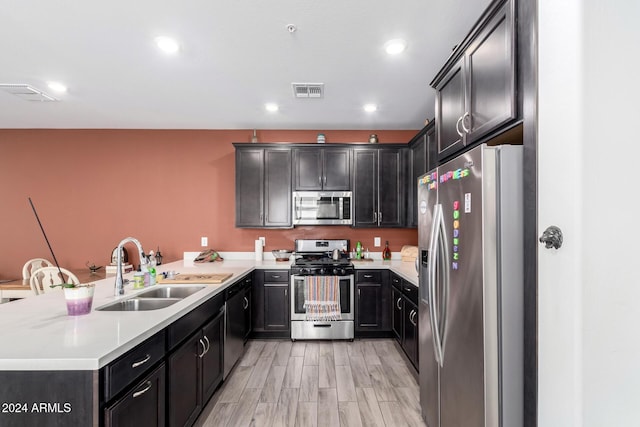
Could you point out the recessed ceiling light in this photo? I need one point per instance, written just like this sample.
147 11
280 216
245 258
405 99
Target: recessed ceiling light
370 108
395 46
57 87
167 44
271 107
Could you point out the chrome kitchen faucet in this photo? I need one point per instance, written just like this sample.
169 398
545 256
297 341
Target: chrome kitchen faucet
119 286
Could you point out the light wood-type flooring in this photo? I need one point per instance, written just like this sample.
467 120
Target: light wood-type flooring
317 383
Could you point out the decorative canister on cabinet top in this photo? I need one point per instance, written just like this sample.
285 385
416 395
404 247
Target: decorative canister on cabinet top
373 138
321 138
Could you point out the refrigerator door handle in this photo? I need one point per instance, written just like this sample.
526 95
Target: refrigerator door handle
431 273
445 263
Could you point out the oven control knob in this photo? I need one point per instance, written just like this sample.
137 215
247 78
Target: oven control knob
323 271
339 271
306 271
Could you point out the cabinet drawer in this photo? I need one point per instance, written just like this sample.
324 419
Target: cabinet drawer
276 276
120 373
369 276
410 291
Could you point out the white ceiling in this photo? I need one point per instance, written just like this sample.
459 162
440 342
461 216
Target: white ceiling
236 55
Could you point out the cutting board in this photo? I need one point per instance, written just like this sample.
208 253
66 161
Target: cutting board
214 278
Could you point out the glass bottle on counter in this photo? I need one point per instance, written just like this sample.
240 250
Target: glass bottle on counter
152 268
386 252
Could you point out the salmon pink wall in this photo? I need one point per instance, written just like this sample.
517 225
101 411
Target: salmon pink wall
167 188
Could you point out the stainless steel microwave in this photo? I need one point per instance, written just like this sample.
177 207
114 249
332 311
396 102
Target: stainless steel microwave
322 208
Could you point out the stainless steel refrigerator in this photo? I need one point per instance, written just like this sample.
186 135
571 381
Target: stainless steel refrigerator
471 285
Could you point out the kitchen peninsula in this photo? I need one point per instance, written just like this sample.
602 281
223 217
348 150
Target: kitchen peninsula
63 370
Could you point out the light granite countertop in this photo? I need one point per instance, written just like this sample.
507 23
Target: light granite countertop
37 333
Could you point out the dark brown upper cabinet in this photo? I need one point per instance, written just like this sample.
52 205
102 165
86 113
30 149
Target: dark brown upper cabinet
476 89
321 169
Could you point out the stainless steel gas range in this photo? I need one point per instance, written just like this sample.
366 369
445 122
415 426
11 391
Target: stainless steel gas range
322 259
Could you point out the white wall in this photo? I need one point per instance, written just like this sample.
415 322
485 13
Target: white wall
589 290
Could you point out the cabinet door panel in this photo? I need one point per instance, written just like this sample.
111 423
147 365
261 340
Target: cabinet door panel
277 183
212 366
398 313
249 187
365 188
450 107
184 387
369 306
410 337
142 405
308 169
391 189
336 166
491 70
276 307
418 168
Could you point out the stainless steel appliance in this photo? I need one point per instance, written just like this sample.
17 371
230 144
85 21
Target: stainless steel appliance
315 258
234 327
471 279
322 208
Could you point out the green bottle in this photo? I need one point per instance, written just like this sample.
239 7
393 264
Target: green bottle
358 250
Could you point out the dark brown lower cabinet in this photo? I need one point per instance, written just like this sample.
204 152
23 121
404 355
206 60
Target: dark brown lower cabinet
372 314
141 405
404 319
194 372
276 307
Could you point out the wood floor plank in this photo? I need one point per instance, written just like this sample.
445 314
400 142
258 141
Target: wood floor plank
293 374
309 384
307 414
273 384
252 353
311 353
349 414
220 415
245 408
354 349
359 370
409 406
263 415
259 374
269 349
234 384
283 352
286 408
340 354
370 354
392 414
298 348
325 349
344 384
369 410
326 372
378 376
398 373
328 408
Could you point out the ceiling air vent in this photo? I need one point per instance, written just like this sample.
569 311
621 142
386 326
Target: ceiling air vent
26 92
308 90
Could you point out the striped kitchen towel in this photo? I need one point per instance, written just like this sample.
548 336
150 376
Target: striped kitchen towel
322 297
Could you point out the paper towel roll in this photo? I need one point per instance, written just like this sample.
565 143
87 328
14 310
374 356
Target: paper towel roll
258 250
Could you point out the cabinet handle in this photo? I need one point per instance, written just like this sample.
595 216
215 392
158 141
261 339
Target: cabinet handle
464 128
208 345
148 385
375 217
276 276
458 126
412 317
204 348
324 181
246 303
379 217
358 293
141 362
398 303
320 180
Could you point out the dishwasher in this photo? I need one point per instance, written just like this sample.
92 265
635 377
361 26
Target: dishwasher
234 327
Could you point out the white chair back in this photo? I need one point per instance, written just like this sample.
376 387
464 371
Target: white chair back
32 265
42 279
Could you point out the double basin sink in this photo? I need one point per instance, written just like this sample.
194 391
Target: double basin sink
152 299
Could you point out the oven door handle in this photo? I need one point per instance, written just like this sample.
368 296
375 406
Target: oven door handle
322 325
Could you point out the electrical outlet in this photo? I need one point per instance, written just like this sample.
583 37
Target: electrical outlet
204 242
376 242
264 241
